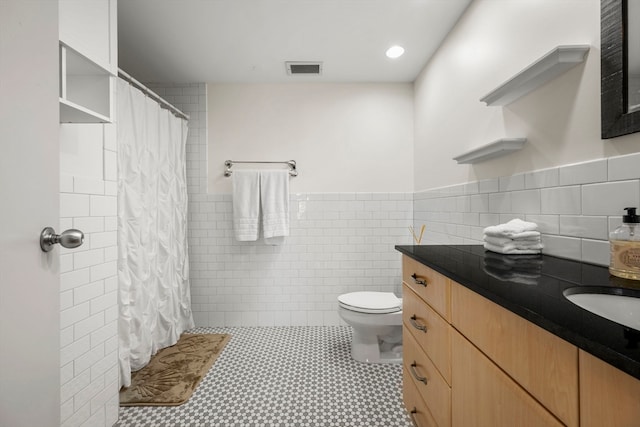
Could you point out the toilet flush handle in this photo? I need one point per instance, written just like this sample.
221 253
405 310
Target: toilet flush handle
419 280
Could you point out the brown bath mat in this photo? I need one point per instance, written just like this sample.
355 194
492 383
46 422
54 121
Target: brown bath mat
174 372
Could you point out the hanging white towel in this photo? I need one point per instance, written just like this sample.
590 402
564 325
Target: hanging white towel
512 229
274 195
246 205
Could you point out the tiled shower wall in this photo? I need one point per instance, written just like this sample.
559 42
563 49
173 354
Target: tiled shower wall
339 243
88 283
574 205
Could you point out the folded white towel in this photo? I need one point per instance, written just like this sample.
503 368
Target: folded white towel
246 205
526 238
523 245
512 250
274 196
511 229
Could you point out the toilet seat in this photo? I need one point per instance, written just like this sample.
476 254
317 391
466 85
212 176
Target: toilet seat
371 302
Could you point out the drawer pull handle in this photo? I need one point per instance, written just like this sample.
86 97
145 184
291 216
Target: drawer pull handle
419 280
413 371
413 416
413 319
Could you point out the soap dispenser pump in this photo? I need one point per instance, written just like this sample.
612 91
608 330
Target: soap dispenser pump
625 247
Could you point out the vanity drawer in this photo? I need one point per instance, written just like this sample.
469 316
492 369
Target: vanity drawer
430 285
432 388
430 331
543 364
483 395
415 405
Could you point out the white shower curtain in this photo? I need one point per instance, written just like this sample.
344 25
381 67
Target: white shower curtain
153 265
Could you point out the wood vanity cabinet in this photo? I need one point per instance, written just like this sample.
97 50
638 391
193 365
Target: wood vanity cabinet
483 365
529 373
426 307
431 286
483 395
415 404
427 380
608 396
470 362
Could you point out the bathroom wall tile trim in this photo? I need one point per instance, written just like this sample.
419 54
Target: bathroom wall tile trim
575 206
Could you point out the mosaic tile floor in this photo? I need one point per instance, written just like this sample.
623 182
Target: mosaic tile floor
285 376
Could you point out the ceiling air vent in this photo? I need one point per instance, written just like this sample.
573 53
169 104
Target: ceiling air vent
304 68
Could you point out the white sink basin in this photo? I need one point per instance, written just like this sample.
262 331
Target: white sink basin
619 305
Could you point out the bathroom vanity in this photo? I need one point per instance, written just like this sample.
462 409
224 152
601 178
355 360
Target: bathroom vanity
490 340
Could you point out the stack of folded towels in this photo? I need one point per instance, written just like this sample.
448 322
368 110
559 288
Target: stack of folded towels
515 237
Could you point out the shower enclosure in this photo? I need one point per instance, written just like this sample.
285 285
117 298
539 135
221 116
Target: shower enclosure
153 263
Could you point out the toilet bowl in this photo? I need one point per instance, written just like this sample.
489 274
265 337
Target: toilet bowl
376 321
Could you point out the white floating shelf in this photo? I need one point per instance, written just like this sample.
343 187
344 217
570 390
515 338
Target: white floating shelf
547 68
495 149
71 112
85 89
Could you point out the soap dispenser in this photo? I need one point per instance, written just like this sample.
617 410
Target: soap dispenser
625 247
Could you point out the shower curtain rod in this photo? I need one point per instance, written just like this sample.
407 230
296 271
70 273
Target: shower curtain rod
152 94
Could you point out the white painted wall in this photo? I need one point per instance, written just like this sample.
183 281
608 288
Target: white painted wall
494 40
345 137
29 308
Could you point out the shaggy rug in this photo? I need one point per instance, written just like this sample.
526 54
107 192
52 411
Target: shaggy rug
174 372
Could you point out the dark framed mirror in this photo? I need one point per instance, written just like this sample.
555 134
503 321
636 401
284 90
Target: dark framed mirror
620 84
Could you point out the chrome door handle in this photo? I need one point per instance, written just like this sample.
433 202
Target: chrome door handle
70 238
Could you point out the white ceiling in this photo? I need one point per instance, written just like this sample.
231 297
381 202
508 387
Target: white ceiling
248 41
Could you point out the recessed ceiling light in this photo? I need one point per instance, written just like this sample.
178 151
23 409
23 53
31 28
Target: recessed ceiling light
395 52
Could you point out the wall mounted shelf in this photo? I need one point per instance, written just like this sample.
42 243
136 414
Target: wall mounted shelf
85 89
495 149
550 66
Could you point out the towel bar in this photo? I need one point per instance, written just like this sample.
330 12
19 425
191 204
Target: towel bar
229 164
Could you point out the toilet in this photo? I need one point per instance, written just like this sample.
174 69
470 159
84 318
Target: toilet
376 321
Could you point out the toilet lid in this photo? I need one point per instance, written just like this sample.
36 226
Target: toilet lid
371 302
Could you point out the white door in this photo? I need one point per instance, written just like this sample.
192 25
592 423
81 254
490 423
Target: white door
29 198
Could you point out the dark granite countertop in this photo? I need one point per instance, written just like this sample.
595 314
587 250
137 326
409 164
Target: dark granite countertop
531 286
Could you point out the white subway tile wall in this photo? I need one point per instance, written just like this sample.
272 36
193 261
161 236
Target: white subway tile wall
575 206
88 290
542 178
338 243
610 198
583 173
